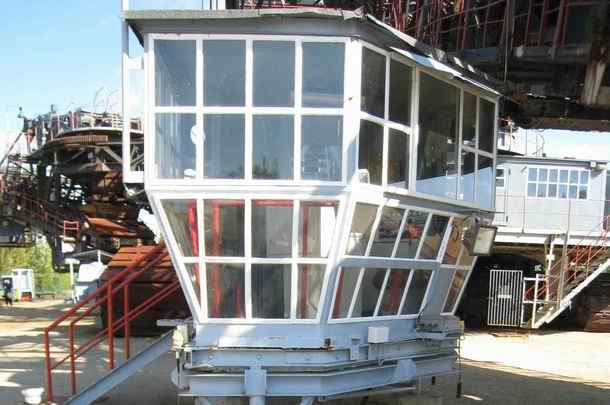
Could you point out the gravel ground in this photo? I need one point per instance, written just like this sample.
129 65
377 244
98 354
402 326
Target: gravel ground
548 367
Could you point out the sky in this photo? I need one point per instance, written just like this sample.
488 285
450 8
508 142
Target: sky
64 52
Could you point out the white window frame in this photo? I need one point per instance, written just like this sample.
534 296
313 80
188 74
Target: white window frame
558 183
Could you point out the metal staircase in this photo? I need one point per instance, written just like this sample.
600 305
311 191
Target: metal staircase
105 295
549 295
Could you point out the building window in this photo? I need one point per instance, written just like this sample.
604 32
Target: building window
370 151
500 177
557 183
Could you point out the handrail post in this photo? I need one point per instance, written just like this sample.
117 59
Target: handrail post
72 360
110 328
126 319
47 362
535 301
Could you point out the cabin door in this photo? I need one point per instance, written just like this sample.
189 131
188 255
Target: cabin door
505 295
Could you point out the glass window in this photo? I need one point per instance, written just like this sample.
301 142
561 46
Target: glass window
311 278
573 191
271 291
487 117
573 176
273 146
437 150
223 146
454 245
317 223
394 290
224 227
225 287
174 73
582 192
553 175
323 65
434 237
175 136
531 189
563 191
532 174
500 177
387 232
466 259
543 175
584 177
398 158
372 96
469 124
192 269
400 92
224 73
273 74
271 228
563 176
370 150
411 235
467 183
368 294
348 278
541 190
360 233
182 218
321 145
485 182
552 191
457 284
416 292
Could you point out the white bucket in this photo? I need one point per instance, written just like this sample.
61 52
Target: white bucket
32 396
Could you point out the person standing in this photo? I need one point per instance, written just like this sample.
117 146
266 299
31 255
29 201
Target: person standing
8 293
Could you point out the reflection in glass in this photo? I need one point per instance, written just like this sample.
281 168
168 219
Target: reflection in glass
466 259
411 235
487 117
311 277
372 96
273 74
400 92
182 218
370 150
323 65
321 143
224 227
271 291
224 73
192 270
271 228
437 157
387 232
272 145
467 183
174 73
469 124
368 294
485 182
434 237
348 277
454 245
175 136
416 292
398 159
360 233
317 222
223 146
457 283
394 289
225 288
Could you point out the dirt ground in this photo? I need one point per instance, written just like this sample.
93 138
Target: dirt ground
548 367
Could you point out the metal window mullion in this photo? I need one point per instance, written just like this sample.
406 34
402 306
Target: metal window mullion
445 241
201 245
356 291
294 280
382 291
401 229
248 256
423 235
404 293
199 106
386 114
298 103
150 165
249 140
448 291
431 282
476 153
459 148
352 95
376 221
414 138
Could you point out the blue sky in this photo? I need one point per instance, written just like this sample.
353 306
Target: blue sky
63 52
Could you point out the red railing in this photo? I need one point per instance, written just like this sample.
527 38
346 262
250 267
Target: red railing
104 296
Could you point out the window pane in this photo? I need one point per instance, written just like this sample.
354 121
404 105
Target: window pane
532 174
398 155
542 175
467 183
362 222
192 269
469 125
317 223
271 228
224 146
437 151
175 136
466 259
457 283
573 176
553 175
387 232
370 150
485 182
582 192
434 237
411 235
563 176
552 191
416 292
271 291
348 277
487 117
573 191
368 294
531 189
323 65
273 147
225 287
182 218
224 73
372 98
563 191
322 140
174 73
454 245
311 278
541 190
273 74
584 177
400 92
394 289
499 172
224 227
